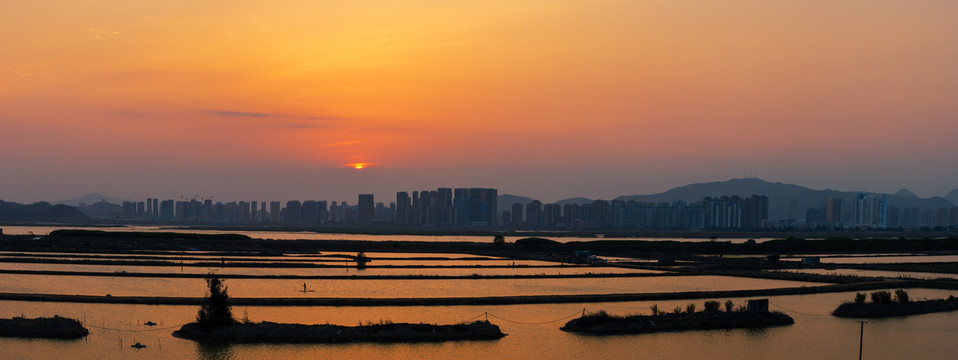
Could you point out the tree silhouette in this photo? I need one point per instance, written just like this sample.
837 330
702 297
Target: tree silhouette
216 310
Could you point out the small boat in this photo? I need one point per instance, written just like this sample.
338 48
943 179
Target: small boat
138 346
149 323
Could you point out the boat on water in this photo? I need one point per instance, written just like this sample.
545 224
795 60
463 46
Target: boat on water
137 346
149 323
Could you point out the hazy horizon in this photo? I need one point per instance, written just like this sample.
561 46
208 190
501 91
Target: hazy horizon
391 196
551 100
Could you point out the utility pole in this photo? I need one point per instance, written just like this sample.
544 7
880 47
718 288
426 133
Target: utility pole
861 337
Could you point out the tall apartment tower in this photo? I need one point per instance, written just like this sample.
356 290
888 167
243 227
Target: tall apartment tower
403 208
275 212
833 211
367 208
870 210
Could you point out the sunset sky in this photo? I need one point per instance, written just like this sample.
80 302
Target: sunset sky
274 100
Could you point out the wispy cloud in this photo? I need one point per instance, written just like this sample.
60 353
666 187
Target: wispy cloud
100 34
306 125
227 113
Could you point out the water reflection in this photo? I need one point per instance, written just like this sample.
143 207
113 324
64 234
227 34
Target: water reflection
214 351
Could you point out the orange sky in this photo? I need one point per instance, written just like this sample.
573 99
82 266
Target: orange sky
550 99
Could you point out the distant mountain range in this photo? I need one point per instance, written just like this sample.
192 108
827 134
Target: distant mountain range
780 196
91 199
952 196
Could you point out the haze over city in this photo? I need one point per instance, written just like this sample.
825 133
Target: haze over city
281 100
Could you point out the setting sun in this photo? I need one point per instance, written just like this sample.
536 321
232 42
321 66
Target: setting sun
358 166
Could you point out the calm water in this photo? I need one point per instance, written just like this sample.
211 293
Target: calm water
98 285
295 235
326 271
815 334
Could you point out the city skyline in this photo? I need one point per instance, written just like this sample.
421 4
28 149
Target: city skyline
284 100
482 207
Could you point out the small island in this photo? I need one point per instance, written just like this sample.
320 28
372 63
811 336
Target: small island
215 323
268 332
754 316
882 305
47 328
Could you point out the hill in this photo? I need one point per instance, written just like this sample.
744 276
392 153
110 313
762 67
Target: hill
781 195
41 211
91 198
505 201
575 200
952 196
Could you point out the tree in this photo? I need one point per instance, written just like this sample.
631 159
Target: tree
361 260
712 306
901 296
499 240
216 310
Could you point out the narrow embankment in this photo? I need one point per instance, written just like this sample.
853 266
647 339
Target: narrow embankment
267 264
491 300
335 277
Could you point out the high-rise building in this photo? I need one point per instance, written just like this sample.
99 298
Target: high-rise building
322 211
516 215
275 212
293 213
167 211
156 209
310 211
870 210
815 217
833 211
532 213
754 211
403 208
367 207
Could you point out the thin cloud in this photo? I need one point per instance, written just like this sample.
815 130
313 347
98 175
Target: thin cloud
227 113
304 125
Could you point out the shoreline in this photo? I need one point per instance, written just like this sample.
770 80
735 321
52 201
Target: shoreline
492 231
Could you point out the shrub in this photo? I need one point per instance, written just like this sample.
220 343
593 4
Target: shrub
881 297
655 309
860 298
690 308
712 306
901 296
729 305
677 310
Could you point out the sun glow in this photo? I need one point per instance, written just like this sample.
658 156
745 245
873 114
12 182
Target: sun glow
358 166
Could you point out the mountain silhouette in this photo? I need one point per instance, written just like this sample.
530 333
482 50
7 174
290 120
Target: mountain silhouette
781 195
905 193
952 196
91 198
40 211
